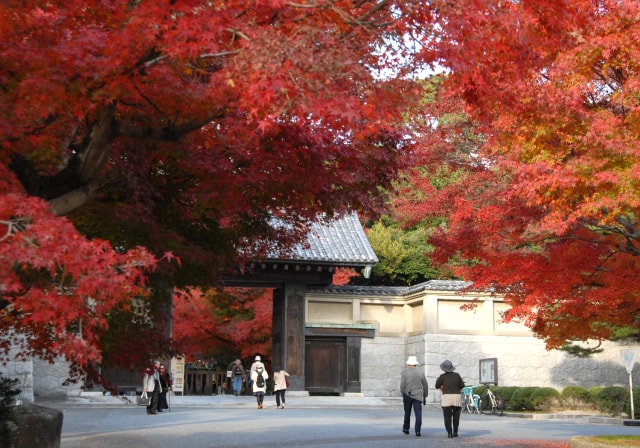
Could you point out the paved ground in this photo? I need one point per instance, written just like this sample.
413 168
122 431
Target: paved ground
312 422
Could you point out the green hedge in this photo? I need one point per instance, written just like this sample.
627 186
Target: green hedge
506 393
636 404
612 400
545 398
521 399
576 397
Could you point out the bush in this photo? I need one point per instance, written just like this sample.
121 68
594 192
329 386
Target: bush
593 395
612 400
545 398
7 394
575 397
521 399
636 404
506 393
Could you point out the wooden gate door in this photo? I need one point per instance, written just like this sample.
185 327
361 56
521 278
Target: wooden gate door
325 360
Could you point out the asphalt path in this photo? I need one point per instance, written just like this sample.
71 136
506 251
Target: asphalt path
305 422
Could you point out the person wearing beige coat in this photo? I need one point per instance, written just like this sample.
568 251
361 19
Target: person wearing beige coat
279 385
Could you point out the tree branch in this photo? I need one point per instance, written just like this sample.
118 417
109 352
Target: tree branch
170 134
68 202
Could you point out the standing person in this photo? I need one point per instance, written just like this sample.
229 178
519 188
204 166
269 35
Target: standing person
257 362
247 387
165 385
415 389
151 385
259 378
280 385
450 384
237 374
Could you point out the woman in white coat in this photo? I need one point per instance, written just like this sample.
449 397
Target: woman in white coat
259 378
151 386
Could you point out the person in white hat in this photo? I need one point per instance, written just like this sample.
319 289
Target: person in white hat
256 362
414 389
450 384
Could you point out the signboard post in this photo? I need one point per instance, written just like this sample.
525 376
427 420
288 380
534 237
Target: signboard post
177 374
629 359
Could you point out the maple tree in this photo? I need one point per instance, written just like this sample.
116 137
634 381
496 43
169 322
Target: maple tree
187 126
184 127
537 141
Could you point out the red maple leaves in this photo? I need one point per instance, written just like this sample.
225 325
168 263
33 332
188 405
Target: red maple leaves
58 287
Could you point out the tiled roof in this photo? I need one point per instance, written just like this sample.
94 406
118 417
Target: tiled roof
399 291
341 242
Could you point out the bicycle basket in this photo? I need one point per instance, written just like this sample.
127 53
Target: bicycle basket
467 390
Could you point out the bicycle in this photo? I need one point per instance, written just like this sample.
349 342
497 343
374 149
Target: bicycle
491 402
470 401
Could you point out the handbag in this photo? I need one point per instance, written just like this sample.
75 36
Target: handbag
144 400
286 380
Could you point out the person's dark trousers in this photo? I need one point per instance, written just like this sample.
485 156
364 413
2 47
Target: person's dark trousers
456 419
410 403
451 419
280 397
153 404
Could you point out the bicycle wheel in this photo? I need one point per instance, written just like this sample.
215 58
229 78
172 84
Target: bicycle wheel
467 404
499 405
484 404
476 403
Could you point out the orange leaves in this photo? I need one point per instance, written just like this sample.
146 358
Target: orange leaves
547 211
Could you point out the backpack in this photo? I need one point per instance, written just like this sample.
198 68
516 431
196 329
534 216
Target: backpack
237 371
259 378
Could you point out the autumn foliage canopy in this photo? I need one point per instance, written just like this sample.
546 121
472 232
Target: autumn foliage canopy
185 126
535 162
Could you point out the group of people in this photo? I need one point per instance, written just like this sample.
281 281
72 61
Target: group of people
415 389
413 386
156 383
257 380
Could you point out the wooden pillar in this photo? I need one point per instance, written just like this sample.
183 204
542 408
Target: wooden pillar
288 332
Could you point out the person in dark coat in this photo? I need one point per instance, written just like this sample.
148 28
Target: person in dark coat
414 389
165 384
450 384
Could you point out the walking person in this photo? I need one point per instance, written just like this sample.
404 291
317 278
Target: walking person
151 385
259 377
256 362
450 384
237 374
414 389
165 385
280 384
